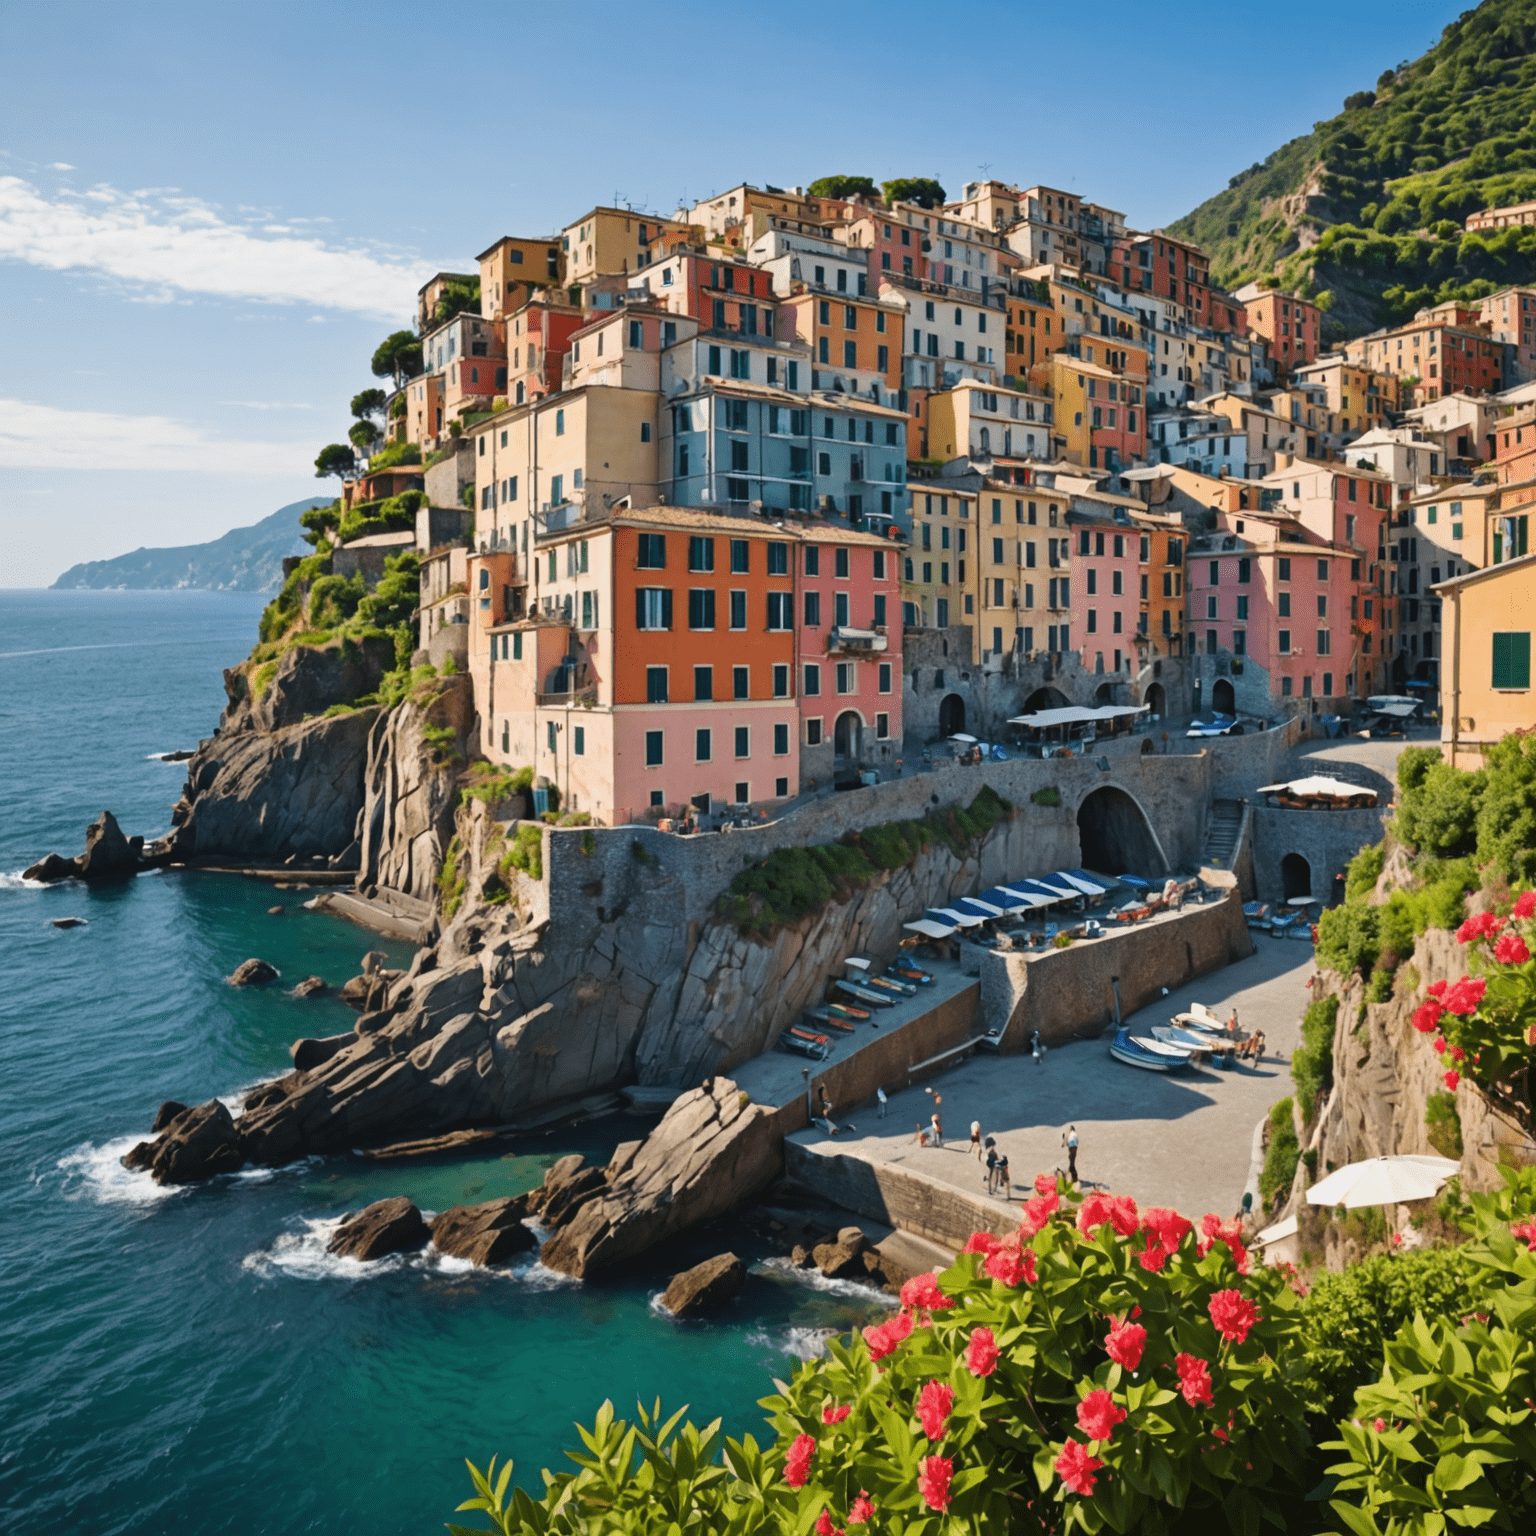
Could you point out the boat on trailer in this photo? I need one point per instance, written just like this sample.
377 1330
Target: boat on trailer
801 1043
1151 1055
828 1020
863 994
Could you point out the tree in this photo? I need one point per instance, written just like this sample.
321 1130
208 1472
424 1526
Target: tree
398 357
370 402
335 459
363 435
922 190
843 187
456 298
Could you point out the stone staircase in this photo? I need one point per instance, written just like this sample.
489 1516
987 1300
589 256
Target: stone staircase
1222 832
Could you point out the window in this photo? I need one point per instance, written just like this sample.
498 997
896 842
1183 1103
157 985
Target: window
740 554
781 740
885 677
653 552
840 610
655 685
778 559
1215 572
879 610
653 751
1242 609
703 684
701 552
553 731
1324 648
1284 571
1512 659
1239 642
741 682
781 680
653 608
1322 570
812 560
812 684
645 431
1327 685
1285 605
701 745
1287 687
845 673
701 608
1284 642
780 613
882 727
560 423
738 610
743 746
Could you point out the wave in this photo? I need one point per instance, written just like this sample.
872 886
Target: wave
782 1268
97 1172
16 883
164 757
802 1343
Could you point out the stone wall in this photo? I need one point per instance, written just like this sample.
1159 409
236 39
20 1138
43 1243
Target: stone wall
449 640
1326 839
1064 991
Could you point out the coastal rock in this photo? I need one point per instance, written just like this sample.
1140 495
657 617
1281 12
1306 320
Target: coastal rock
166 1113
311 986
309 679
252 973
369 992
801 1256
197 1144
68 922
561 1204
489 1233
277 911
308 1054
52 868
845 1257
712 1150
107 850
705 1287
385 1227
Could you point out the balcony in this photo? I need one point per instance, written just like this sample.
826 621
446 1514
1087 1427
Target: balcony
857 642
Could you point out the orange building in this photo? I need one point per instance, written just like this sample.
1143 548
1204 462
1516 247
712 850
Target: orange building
1291 326
858 341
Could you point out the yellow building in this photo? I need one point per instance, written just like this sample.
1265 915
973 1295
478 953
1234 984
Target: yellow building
609 240
977 421
1486 686
939 580
1360 397
510 268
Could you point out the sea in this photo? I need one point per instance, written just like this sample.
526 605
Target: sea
192 1360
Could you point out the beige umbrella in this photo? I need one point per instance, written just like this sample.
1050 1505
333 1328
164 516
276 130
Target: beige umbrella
1383 1181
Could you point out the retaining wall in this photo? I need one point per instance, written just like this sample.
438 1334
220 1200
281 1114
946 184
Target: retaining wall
1326 839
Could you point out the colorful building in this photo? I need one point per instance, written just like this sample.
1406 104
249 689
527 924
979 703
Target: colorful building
1292 327
1442 350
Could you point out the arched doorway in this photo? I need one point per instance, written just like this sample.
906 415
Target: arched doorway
847 738
951 714
1295 876
1115 835
1156 700
1046 698
1104 694
1223 699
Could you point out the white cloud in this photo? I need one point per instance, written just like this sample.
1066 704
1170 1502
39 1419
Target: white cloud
60 165
34 436
159 238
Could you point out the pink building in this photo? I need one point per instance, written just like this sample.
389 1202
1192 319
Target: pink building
848 650
1106 573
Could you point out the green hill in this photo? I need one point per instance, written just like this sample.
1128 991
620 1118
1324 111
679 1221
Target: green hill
242 560
1368 207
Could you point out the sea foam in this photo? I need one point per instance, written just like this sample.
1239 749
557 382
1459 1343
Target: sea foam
97 1173
782 1268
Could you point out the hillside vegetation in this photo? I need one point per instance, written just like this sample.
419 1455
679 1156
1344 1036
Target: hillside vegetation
1368 207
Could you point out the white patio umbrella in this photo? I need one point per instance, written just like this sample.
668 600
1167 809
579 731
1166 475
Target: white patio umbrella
961 736
1383 1181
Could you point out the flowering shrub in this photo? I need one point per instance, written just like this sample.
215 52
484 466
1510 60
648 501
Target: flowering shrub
1484 1024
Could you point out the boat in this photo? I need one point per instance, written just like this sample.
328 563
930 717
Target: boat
892 985
1190 1039
849 1012
1199 1024
863 994
828 1020
1257 914
1150 1055
903 970
818 1048
1283 922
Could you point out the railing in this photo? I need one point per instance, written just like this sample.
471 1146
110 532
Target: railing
858 640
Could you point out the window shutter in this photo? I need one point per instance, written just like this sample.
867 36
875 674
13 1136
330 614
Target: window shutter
666 608
639 607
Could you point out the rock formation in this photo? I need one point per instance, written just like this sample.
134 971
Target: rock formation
706 1287
195 1144
489 1233
108 854
252 973
845 1257
380 1229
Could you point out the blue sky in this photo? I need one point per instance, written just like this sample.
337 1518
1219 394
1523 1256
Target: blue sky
211 214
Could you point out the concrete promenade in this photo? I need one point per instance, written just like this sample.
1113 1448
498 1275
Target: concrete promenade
1182 1140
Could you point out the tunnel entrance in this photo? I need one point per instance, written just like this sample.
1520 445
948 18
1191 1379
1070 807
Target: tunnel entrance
1295 876
1046 698
1116 836
1223 699
1157 701
951 714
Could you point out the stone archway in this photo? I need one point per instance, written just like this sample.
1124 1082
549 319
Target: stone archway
951 714
1045 698
1156 700
1104 694
1295 876
1223 697
847 738
1115 836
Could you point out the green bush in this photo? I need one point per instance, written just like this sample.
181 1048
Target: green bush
525 851
1379 988
1442 1122
334 599
1363 872
398 594
1312 1061
395 455
452 878
1348 939
1439 814
1506 823
1050 795
1282 1154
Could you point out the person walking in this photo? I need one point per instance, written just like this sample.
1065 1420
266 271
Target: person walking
880 1095
936 1127
1004 1188
921 1138
976 1138
1037 1050
991 1166
1069 1141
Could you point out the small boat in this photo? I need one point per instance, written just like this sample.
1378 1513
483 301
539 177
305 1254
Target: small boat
1190 1039
891 985
849 1012
1150 1055
819 1048
1200 1023
828 1020
862 994
1283 922
903 970
1257 914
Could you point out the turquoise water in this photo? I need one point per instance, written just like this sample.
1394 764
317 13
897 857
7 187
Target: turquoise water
192 1361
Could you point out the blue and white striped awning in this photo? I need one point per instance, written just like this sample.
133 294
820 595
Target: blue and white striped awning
953 915
977 907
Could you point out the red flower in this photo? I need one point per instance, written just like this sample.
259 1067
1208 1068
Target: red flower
1452 1078
979 1242
1233 1314
1525 1231
981 1353
884 1337
1458 1055
1169 1225
1436 989
1427 1015
1526 905
1010 1267
1045 1183
1037 1212
1378 1425
1075 1467
836 1413
1511 950
861 1510
1154 1256
1094 1212
1464 997
824 1526
933 1481
1194 1380
797 1465
923 1291
1477 927
1098 1414
934 1404
1124 1344
1438 1045
1122 1215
